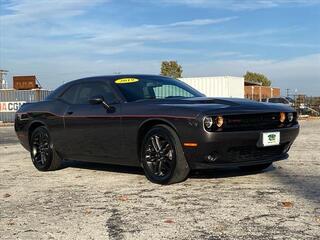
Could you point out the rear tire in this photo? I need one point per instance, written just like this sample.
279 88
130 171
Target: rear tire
43 155
256 168
162 156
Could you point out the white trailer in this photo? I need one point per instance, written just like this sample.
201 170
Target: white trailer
224 86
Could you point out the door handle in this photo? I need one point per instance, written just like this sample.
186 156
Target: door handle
69 113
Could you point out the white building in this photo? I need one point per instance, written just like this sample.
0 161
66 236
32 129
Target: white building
224 86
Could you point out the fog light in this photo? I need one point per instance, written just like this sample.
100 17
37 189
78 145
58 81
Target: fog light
219 121
282 117
212 157
207 122
290 117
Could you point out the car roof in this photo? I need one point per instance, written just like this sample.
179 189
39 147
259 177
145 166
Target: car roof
58 91
117 76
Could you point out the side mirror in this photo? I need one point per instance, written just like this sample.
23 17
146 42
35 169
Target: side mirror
100 100
96 100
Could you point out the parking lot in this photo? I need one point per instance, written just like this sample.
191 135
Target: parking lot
95 201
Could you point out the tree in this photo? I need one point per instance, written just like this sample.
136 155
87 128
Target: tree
257 77
171 69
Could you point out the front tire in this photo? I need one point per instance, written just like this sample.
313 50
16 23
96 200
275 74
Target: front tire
43 155
162 156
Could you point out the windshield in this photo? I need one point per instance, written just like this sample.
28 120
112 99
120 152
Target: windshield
134 89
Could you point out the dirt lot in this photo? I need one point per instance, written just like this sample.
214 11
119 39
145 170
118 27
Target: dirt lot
90 201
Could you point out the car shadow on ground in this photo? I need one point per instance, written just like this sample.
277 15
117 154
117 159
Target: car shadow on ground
307 187
103 167
194 174
225 172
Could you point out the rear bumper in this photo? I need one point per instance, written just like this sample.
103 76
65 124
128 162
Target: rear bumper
242 148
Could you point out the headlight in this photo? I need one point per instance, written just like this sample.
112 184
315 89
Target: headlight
282 117
207 122
219 121
290 117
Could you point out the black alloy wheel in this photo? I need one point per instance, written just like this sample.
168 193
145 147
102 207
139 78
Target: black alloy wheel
43 155
162 156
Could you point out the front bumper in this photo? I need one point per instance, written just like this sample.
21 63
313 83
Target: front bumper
241 148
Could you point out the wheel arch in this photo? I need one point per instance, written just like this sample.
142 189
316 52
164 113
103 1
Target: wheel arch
146 126
33 126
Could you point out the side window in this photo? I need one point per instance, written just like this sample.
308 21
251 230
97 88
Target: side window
108 93
284 101
83 94
273 100
70 95
89 90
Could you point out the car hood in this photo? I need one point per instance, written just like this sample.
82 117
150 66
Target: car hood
208 104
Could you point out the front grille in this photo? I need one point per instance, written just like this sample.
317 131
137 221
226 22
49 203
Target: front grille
252 153
253 122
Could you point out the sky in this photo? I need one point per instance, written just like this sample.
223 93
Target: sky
62 40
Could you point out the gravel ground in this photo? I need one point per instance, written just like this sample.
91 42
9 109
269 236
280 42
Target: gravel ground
95 201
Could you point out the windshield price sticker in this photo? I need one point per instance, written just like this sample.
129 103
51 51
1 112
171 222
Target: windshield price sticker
126 80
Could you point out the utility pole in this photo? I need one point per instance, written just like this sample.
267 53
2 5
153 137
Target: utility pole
2 79
288 91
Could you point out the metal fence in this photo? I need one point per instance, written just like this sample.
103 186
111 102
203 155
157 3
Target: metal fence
11 100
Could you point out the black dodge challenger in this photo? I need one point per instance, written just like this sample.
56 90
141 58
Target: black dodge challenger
155 122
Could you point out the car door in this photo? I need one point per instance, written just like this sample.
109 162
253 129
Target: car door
92 132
